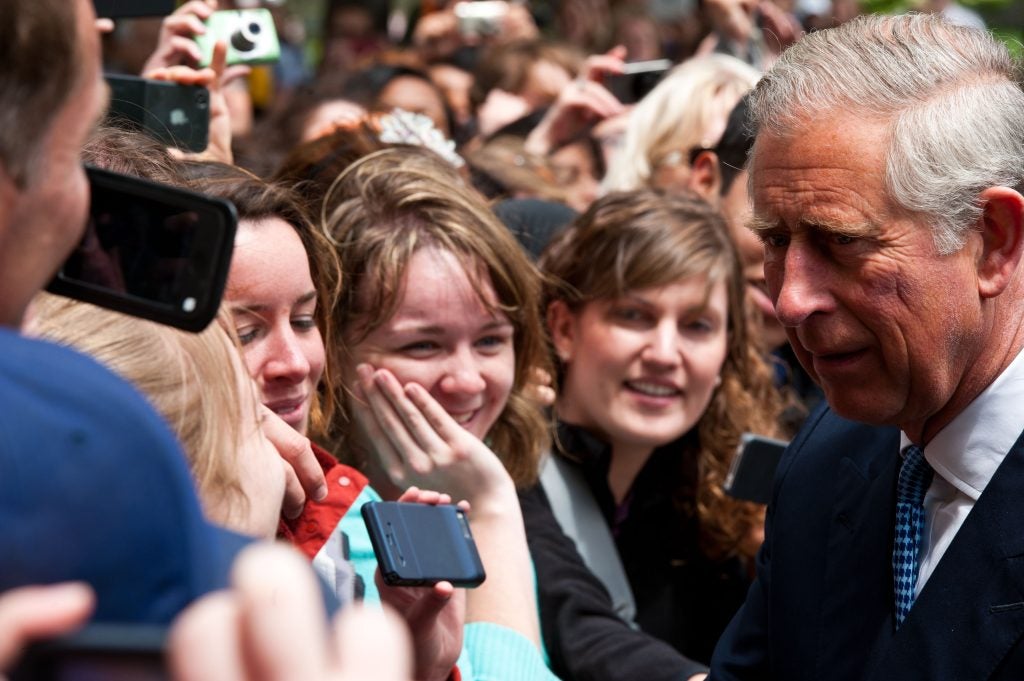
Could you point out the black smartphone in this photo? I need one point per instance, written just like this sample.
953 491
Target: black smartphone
125 9
637 79
420 544
752 473
151 251
99 652
176 115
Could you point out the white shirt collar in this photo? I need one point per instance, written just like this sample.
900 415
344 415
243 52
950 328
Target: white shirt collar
967 452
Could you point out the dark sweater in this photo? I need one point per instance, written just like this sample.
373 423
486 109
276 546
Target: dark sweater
682 597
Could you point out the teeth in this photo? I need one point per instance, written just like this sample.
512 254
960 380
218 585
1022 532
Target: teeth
463 418
652 389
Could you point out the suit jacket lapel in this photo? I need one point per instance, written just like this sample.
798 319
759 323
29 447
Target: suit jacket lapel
971 611
856 613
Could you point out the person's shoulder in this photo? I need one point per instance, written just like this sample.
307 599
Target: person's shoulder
58 373
49 389
827 438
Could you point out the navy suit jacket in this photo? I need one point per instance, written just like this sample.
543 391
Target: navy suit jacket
822 604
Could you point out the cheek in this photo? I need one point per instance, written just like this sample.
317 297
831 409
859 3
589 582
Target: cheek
314 351
253 356
426 373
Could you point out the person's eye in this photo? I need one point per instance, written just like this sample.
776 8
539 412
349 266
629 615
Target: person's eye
247 334
630 314
303 323
420 347
773 239
701 326
843 239
493 341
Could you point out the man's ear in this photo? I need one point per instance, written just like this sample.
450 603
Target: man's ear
706 176
562 327
1002 233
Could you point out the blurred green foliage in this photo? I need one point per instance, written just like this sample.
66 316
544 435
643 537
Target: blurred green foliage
1004 17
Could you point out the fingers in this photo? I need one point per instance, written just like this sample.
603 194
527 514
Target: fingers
415 495
219 60
611 62
186 47
294 496
36 612
183 75
539 387
423 433
596 98
233 73
187 24
205 641
387 457
397 423
372 644
436 417
297 452
283 621
421 615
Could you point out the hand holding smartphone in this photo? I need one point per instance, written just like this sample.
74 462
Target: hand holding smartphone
423 544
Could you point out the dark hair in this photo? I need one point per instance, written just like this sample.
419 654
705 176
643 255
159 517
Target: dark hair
40 64
257 199
733 148
132 153
311 167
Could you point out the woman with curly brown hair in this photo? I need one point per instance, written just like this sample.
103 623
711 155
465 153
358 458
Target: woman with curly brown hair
658 378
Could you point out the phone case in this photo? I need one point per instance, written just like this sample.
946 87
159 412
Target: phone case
753 470
151 251
420 544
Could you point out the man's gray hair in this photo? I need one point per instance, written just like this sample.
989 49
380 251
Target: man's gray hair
953 96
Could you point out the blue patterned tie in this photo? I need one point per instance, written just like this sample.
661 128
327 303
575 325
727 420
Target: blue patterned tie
915 477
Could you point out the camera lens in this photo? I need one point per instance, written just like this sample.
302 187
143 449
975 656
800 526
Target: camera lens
246 38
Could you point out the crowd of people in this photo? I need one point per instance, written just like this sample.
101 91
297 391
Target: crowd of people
465 272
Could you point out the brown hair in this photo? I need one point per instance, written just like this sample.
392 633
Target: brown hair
388 206
506 66
132 153
256 199
40 65
642 239
189 378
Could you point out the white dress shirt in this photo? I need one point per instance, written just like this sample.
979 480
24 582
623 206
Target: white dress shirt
965 455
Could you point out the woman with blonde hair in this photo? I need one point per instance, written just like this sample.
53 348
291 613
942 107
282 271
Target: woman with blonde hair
198 383
671 134
658 378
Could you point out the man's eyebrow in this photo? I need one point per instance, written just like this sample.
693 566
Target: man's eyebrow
855 229
761 224
756 223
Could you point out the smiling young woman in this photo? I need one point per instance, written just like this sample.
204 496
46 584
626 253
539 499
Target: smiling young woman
658 378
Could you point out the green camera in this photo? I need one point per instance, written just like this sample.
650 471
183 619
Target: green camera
249 33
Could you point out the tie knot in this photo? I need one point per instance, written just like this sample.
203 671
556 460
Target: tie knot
915 477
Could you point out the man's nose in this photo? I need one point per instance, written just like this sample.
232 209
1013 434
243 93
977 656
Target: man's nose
799 284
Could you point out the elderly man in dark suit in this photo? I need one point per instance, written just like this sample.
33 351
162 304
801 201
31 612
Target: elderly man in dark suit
886 180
